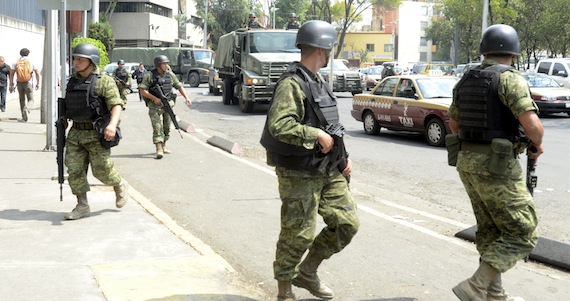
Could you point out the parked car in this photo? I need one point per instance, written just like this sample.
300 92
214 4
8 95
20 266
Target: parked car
415 103
110 68
548 94
427 68
468 67
373 75
558 68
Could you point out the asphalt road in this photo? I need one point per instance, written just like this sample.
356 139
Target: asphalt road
410 204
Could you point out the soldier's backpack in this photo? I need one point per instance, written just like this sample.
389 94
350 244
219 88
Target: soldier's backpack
23 70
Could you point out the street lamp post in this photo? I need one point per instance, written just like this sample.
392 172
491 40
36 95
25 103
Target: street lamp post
394 23
273 9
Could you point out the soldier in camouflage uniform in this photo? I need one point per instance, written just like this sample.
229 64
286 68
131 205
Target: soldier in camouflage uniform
294 139
83 147
123 79
292 24
496 119
161 77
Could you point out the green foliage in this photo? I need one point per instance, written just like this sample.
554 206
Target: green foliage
286 7
103 32
225 16
103 56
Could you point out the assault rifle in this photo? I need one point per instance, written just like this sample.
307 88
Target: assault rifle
60 125
123 83
531 178
338 156
167 107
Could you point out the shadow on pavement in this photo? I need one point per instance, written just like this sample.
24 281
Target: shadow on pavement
203 297
56 218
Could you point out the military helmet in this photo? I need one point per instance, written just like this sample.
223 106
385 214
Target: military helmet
318 34
252 15
160 59
121 62
87 51
292 15
500 38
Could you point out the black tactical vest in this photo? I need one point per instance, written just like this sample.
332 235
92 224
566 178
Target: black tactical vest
482 116
298 157
292 25
81 103
121 74
164 81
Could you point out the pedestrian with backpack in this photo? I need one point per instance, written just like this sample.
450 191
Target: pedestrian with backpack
23 70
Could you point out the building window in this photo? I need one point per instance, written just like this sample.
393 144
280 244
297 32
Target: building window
423 25
136 7
388 47
370 47
423 41
423 56
424 10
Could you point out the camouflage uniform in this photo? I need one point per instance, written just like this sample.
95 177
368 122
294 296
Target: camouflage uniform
503 207
159 119
83 146
123 89
306 193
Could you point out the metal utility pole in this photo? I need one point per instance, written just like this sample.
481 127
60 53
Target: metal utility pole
205 44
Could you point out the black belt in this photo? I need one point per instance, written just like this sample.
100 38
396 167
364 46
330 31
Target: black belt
83 125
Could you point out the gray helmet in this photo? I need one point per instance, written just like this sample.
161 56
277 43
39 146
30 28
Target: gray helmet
121 62
252 15
160 59
87 51
500 38
292 15
318 34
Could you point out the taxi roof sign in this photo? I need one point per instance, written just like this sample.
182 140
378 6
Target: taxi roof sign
435 73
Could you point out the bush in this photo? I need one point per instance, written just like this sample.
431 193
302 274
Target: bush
103 56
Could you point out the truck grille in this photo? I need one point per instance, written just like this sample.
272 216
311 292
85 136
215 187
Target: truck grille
347 83
274 70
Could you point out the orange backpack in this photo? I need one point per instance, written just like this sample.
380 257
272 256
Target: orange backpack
23 70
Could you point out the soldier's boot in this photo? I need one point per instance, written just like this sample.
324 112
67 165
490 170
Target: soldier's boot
496 292
308 278
159 150
164 149
285 291
81 210
25 115
475 288
121 193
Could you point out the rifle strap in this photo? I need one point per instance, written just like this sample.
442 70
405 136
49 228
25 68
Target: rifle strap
310 99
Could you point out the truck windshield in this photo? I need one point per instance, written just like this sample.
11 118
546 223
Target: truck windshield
273 42
203 55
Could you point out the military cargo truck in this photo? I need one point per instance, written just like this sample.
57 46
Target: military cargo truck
189 64
251 61
344 79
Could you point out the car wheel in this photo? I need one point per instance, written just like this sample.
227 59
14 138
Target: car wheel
217 92
435 132
194 79
370 124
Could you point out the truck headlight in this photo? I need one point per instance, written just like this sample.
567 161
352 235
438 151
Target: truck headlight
255 81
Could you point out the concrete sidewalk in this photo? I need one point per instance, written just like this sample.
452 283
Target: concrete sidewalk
135 253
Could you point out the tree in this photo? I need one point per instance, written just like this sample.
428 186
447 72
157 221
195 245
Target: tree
103 32
351 11
103 56
286 7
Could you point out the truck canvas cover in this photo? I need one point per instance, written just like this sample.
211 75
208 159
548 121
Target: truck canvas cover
225 51
145 55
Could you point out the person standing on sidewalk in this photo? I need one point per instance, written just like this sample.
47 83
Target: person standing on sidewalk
293 138
4 75
161 80
83 147
494 126
23 69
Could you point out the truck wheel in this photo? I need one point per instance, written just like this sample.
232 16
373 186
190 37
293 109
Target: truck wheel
217 91
227 92
245 106
194 79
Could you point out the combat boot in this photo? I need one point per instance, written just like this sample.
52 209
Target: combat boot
475 288
285 291
81 210
159 150
495 292
308 278
121 193
164 149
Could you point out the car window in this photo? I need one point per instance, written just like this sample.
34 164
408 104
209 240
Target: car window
540 81
436 87
543 67
406 88
387 87
559 70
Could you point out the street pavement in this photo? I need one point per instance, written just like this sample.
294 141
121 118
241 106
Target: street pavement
134 253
